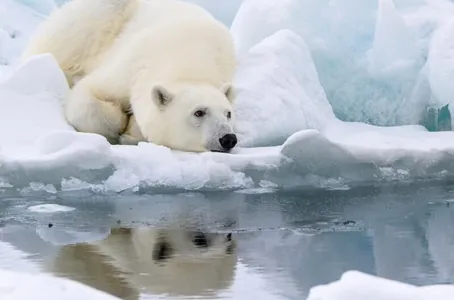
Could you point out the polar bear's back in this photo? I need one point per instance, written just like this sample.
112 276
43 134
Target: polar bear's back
80 31
175 41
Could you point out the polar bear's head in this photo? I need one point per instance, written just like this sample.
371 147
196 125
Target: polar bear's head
195 118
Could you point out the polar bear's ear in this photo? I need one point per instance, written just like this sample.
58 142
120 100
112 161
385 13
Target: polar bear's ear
229 91
161 96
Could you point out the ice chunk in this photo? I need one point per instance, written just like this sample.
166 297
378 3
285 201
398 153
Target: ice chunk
380 152
257 19
370 88
44 92
50 208
278 92
441 65
40 187
19 286
52 81
355 285
394 48
67 236
383 88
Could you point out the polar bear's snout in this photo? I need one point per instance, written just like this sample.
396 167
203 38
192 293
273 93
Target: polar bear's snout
223 139
228 141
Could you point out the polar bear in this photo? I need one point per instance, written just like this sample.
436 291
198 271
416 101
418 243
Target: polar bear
159 71
154 261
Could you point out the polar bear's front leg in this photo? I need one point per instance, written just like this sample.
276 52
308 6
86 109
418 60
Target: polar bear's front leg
89 110
132 135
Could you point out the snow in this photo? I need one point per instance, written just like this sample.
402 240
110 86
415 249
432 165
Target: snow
20 278
355 285
19 286
285 98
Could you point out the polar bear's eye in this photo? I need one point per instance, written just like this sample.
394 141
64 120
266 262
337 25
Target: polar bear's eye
229 115
199 113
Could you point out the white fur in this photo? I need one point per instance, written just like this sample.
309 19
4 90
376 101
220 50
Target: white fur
123 264
121 55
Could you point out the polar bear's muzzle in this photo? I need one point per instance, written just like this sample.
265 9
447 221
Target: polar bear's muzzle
228 142
219 137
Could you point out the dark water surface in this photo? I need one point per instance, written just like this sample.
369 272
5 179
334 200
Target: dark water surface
172 246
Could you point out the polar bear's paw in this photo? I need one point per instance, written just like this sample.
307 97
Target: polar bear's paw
132 134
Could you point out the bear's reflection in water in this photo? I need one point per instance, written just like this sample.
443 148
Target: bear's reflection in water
172 262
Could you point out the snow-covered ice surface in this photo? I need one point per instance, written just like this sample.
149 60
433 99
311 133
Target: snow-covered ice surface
358 286
20 286
22 279
304 67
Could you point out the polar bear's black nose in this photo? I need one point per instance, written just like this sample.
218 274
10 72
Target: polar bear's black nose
228 141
